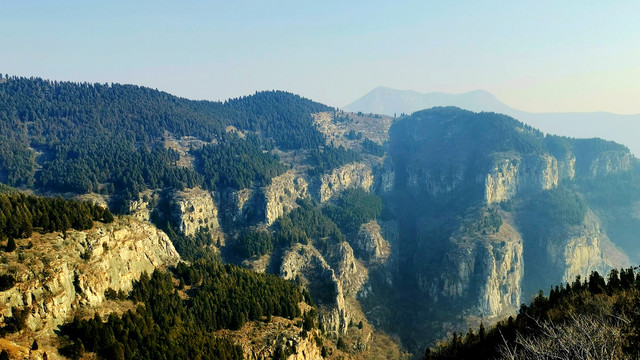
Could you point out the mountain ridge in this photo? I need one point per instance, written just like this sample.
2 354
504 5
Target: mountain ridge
611 126
414 225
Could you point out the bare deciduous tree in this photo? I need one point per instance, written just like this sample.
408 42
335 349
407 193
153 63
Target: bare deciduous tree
590 337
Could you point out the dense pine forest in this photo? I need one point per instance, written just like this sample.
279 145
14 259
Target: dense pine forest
108 138
378 241
166 326
594 318
21 214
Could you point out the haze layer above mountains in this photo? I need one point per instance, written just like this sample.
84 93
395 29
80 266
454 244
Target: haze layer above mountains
609 126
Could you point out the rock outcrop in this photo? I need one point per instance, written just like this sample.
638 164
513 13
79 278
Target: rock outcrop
279 338
502 180
305 263
609 162
484 269
193 209
60 273
239 205
282 193
142 207
370 245
581 250
345 177
349 271
510 173
333 282
567 167
435 181
385 179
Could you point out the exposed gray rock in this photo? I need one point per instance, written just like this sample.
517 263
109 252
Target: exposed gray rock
193 209
61 273
282 193
348 176
370 245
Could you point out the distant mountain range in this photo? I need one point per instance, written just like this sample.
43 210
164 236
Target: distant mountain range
620 128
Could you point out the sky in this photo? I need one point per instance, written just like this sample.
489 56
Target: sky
537 56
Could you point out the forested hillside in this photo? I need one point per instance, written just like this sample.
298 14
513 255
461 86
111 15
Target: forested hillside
490 210
145 153
108 138
416 226
21 214
594 318
166 326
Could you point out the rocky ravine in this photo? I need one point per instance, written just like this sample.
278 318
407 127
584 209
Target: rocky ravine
483 267
449 165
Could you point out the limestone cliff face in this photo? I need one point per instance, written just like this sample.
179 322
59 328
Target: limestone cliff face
449 162
265 341
297 347
238 205
370 245
350 272
306 263
385 179
142 207
610 162
580 250
539 172
304 349
484 270
282 193
345 177
436 181
510 173
333 282
59 274
567 167
193 209
502 180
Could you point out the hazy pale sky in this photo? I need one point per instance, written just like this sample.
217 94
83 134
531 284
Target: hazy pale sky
539 56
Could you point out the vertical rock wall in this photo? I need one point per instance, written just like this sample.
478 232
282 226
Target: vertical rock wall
282 193
345 177
58 273
510 173
194 209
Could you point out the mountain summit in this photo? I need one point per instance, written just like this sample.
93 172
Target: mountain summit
388 101
609 126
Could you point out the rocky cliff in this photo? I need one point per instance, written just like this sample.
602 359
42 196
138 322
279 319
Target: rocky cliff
583 249
282 193
63 272
435 181
609 162
370 245
142 207
473 194
484 267
279 338
333 279
510 173
193 209
239 205
305 263
345 177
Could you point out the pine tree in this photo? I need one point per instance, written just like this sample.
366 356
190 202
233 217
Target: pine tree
482 332
11 245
